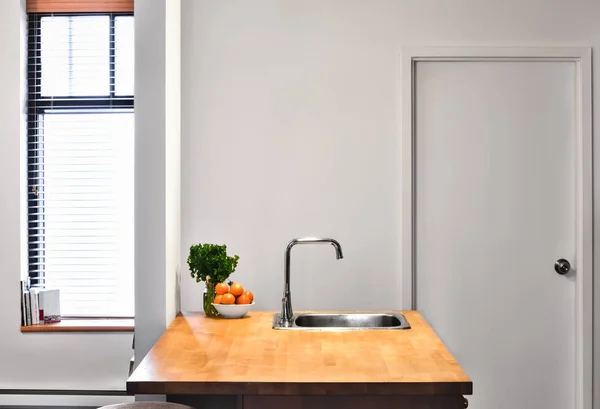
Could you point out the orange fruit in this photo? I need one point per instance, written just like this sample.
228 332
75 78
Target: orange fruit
249 295
218 299
222 288
228 298
236 289
242 299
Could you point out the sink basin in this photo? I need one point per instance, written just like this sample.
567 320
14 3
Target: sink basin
353 321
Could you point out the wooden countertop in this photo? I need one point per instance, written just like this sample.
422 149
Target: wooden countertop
199 355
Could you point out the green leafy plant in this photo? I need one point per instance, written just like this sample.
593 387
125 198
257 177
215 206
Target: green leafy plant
210 262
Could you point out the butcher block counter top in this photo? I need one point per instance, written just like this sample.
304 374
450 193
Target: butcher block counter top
199 355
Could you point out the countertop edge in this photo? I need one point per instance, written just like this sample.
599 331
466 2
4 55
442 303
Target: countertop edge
299 388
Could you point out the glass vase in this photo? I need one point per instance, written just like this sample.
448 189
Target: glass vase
208 298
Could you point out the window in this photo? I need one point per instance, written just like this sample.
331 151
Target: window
80 144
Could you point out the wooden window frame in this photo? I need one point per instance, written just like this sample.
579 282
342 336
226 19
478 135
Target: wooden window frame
81 6
84 325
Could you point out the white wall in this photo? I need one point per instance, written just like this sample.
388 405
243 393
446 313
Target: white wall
290 128
173 154
157 167
37 361
289 131
149 175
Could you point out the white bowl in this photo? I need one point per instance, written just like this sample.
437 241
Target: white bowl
233 310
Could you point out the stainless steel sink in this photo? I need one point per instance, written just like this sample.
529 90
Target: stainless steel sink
357 321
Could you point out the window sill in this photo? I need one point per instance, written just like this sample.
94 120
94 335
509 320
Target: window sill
85 325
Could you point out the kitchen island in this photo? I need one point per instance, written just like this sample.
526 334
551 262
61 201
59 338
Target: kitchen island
244 363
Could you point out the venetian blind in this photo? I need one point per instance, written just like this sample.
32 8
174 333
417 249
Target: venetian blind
80 160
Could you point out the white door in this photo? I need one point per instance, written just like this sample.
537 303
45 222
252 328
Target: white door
496 199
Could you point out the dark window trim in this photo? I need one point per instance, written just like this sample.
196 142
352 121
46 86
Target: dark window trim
35 165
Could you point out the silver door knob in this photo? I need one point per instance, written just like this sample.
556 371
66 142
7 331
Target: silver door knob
562 266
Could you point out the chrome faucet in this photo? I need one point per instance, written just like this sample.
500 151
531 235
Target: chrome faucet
287 313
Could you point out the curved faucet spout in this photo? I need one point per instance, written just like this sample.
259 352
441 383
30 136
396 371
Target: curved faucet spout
308 240
287 313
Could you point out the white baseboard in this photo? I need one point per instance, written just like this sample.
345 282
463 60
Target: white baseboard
62 400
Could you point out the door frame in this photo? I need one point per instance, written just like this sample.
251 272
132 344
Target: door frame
582 57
